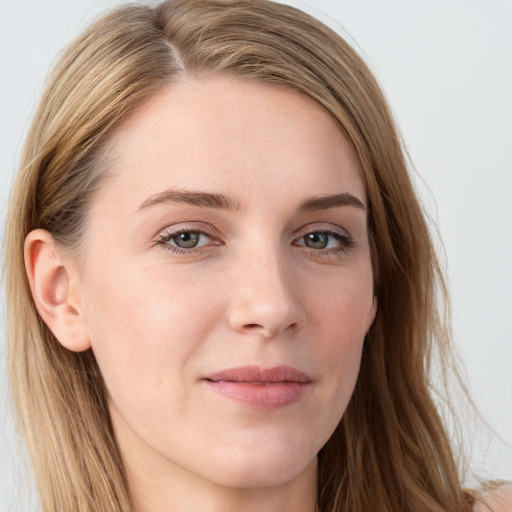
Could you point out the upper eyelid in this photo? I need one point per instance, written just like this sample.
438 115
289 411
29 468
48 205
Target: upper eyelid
322 227
200 227
185 227
212 232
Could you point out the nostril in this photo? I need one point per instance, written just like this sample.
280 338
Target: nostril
267 332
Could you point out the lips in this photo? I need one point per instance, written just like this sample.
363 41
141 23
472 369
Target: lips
253 386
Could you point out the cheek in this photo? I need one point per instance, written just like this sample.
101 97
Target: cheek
345 308
343 315
145 327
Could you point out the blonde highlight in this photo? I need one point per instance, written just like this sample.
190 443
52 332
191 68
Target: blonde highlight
390 451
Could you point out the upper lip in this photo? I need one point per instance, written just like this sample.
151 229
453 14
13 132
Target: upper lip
255 374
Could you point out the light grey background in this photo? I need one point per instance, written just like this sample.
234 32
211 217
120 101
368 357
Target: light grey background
446 66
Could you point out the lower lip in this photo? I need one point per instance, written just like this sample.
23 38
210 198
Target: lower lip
261 395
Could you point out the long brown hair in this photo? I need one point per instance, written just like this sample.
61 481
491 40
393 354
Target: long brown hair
390 451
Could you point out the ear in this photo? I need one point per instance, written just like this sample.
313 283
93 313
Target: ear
54 290
373 312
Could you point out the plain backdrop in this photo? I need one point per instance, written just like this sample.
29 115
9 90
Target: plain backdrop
446 67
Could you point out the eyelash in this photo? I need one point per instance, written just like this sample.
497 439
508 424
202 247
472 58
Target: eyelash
346 241
165 239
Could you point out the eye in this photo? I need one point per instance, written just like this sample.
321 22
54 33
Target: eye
188 239
317 240
326 240
185 240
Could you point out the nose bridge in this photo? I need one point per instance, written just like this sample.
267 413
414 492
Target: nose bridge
265 299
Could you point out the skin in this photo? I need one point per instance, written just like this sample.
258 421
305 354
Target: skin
253 292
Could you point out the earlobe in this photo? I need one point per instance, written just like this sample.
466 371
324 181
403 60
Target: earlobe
52 288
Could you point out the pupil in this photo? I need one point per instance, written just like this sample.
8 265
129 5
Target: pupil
187 240
317 240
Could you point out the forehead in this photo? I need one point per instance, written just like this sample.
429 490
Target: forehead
245 137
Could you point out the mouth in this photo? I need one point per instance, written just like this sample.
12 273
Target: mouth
268 388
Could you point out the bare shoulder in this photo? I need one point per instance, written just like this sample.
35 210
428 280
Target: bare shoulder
496 500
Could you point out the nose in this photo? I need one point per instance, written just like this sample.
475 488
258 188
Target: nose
265 299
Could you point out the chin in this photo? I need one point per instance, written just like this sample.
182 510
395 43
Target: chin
270 467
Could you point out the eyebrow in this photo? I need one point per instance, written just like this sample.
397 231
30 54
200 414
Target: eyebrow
203 199
221 201
331 201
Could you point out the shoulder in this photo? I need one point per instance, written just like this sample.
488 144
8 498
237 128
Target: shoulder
498 499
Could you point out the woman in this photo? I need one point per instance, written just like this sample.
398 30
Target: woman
220 280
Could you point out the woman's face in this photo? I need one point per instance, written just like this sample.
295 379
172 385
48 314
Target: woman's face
227 285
